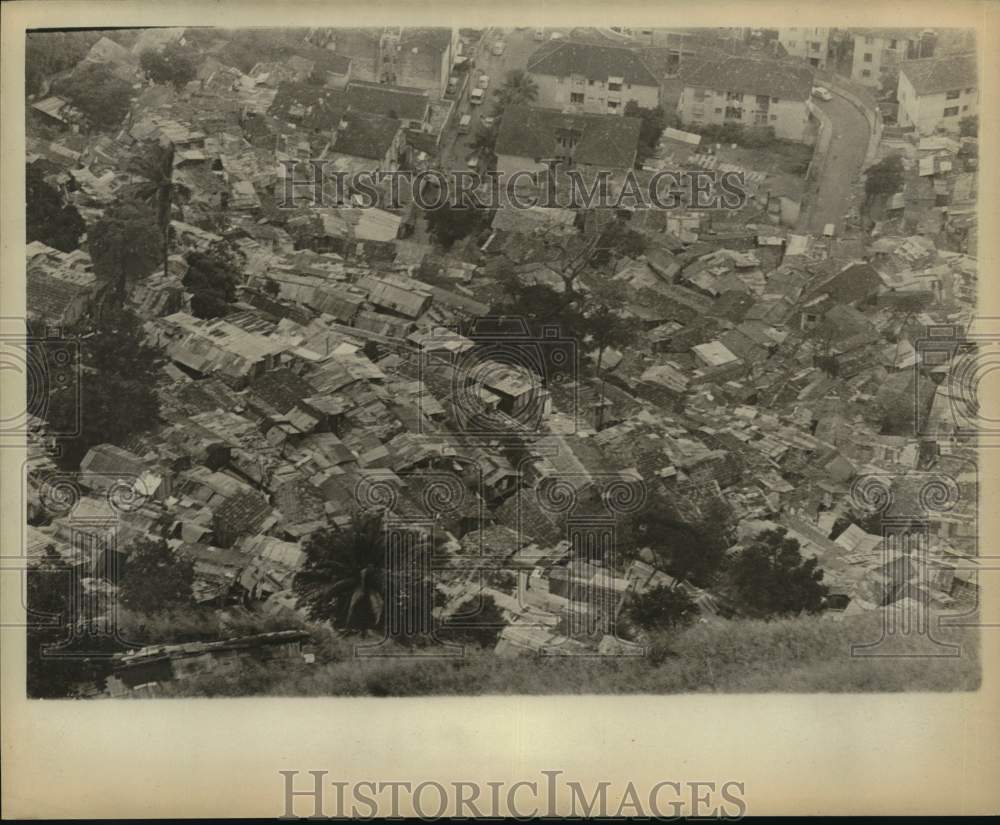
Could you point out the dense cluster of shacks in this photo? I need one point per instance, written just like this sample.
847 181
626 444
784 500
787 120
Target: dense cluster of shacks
349 374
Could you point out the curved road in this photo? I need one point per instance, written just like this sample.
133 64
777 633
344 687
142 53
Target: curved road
843 166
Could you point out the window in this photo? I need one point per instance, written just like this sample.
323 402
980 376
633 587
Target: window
615 84
774 100
718 110
734 113
576 97
969 91
791 44
965 108
590 82
951 111
613 105
814 46
892 44
774 117
760 118
734 96
763 101
866 73
869 41
868 57
952 95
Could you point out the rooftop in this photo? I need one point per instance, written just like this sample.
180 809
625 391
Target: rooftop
934 75
607 141
562 58
749 76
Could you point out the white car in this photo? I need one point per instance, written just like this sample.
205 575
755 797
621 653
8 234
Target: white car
822 93
472 161
555 36
476 96
539 34
484 81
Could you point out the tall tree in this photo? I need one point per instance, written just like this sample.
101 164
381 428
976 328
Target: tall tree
157 187
125 245
884 178
453 222
112 397
48 217
349 580
102 97
171 64
518 88
212 277
771 577
661 608
155 578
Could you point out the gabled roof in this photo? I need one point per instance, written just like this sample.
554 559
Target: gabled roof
562 58
749 76
606 141
389 101
934 75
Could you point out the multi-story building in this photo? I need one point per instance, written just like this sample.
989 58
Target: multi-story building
878 52
811 44
937 92
748 92
591 78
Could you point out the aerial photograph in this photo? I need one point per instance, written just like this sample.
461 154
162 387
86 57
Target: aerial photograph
447 361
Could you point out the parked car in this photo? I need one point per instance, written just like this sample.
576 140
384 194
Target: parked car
452 83
829 230
476 96
498 47
555 36
539 34
464 124
472 161
484 81
822 93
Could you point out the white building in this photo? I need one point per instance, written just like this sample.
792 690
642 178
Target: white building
810 44
590 78
748 92
937 92
878 53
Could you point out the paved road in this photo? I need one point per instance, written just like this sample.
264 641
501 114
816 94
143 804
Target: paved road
843 165
519 46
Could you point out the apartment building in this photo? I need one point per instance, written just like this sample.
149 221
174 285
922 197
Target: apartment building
810 44
937 92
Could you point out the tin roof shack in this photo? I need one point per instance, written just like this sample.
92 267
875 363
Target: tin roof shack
146 671
216 572
107 467
207 347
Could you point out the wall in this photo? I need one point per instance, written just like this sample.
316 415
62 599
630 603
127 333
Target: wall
788 118
798 43
554 93
926 112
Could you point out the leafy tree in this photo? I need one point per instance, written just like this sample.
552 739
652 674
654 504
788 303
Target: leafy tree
125 246
102 97
686 550
519 88
968 126
617 240
155 578
114 399
156 187
48 53
771 578
346 580
484 143
172 64
884 178
48 218
212 276
452 222
660 608
477 621
654 121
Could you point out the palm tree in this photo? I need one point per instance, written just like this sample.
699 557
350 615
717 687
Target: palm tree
518 89
344 576
157 186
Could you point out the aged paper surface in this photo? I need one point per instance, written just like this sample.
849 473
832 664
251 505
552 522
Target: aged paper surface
790 753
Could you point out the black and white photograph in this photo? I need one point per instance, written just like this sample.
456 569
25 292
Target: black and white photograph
482 360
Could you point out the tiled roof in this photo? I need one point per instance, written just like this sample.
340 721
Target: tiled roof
606 141
749 76
388 101
49 298
366 135
562 58
934 75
